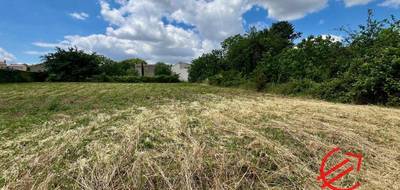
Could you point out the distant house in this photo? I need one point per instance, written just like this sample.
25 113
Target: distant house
18 67
149 70
182 69
39 68
3 64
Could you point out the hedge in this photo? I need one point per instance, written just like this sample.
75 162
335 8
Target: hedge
136 79
10 76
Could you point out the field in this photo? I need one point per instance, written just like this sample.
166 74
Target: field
185 136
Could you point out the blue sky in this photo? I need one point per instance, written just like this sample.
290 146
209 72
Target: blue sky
163 30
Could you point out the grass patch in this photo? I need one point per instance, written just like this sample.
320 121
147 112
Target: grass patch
183 136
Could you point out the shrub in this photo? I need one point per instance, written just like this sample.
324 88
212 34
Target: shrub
135 79
337 89
294 87
9 76
123 68
162 69
227 79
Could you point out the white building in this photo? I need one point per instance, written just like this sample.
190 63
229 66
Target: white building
18 67
3 64
182 69
14 67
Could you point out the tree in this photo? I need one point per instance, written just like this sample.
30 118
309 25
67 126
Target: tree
244 53
72 65
123 68
162 69
206 66
136 61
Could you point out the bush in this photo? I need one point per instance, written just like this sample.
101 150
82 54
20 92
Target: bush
123 68
227 79
378 79
337 89
9 76
294 87
135 79
162 69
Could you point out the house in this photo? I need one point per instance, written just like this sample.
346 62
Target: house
18 67
181 69
3 64
38 68
149 70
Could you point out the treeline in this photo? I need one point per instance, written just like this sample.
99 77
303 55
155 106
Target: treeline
12 76
363 69
74 65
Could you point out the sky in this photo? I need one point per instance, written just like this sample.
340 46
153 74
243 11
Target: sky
164 30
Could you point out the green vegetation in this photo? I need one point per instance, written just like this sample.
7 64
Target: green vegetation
365 69
21 76
75 65
72 65
137 79
162 69
183 136
123 68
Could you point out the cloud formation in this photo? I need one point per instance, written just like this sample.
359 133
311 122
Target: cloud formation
175 31
79 16
351 3
391 3
4 55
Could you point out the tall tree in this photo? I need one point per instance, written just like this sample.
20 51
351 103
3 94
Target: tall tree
72 65
162 69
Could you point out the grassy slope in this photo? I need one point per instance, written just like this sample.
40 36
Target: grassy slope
182 136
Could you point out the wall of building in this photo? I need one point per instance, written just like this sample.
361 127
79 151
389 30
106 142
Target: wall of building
149 70
18 67
3 65
182 69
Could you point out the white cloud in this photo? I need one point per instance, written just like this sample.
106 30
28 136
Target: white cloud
4 55
38 53
79 16
259 25
136 27
334 38
351 3
62 44
391 3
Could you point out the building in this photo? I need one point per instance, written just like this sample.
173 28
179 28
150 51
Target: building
181 69
3 64
39 68
149 70
18 67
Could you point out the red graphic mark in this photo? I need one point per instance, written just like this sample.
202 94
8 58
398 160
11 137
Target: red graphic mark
328 183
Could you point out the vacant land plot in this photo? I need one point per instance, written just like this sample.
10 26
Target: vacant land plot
183 136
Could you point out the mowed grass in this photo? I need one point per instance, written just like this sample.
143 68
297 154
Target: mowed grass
185 136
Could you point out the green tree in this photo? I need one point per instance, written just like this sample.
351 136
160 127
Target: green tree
162 69
206 66
243 53
123 68
72 65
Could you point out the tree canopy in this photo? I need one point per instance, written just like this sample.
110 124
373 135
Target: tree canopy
162 69
365 68
73 65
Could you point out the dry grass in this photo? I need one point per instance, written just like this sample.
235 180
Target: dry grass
207 141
